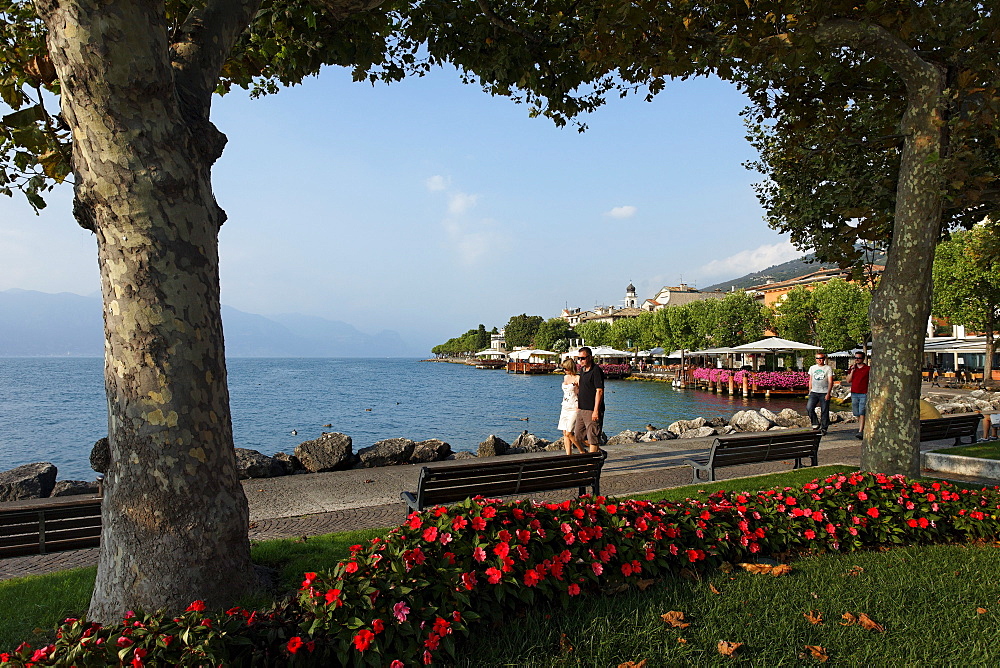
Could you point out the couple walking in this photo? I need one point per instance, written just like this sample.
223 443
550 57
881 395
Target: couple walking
582 414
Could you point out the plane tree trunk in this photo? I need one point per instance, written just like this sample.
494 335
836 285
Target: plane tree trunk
175 515
901 303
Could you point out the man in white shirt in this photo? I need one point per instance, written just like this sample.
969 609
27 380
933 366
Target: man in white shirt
820 388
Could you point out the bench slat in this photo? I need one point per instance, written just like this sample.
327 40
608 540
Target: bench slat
736 450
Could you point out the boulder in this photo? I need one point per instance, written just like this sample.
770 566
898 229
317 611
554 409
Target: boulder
951 407
769 415
28 481
557 445
329 452
290 463
625 437
431 450
390 452
74 488
464 454
253 464
727 430
717 422
686 425
750 421
492 446
100 456
658 435
526 442
789 418
700 432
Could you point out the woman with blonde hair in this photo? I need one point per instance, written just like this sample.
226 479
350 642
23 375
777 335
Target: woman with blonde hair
567 416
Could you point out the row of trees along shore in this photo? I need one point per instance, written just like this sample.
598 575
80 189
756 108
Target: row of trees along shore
874 121
834 316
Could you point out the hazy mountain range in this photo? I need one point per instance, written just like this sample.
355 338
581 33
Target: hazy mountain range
780 272
40 324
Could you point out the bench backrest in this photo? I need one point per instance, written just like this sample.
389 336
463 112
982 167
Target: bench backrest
506 477
50 527
768 446
950 426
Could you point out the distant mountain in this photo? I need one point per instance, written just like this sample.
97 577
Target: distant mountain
779 272
39 324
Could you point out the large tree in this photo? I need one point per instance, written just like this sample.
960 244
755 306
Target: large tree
967 284
926 70
135 82
739 319
841 310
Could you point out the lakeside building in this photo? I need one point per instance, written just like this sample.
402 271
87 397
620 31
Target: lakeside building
771 293
666 296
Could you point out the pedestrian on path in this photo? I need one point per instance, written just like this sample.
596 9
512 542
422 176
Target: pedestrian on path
857 376
570 402
590 402
820 388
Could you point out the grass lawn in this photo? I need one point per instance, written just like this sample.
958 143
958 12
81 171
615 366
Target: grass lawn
989 450
926 598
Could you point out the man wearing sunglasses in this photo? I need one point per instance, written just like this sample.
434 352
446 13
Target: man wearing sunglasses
820 388
590 400
857 375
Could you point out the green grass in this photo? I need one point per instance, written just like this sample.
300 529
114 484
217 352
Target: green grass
31 607
989 450
925 597
792 478
294 556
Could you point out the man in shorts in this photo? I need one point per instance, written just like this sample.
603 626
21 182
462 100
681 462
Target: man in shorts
857 375
991 425
590 401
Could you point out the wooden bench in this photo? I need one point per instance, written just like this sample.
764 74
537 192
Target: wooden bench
765 447
952 426
506 476
41 526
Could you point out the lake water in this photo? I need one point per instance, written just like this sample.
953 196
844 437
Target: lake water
53 409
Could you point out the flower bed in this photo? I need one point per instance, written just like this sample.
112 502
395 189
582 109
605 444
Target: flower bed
413 593
616 370
761 379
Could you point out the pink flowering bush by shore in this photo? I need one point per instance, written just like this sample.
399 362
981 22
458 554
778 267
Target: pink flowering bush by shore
411 597
762 379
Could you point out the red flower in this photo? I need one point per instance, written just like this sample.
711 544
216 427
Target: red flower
363 639
333 596
430 534
818 516
378 626
432 642
351 567
501 550
137 659
573 589
494 575
469 580
123 641
199 606
294 645
810 534
488 512
597 568
415 521
478 523
872 512
459 523
531 578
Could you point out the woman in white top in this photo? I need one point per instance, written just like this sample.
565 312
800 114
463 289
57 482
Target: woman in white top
567 416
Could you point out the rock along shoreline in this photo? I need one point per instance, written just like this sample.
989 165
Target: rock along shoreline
334 451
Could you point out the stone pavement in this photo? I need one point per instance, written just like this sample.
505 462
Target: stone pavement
319 503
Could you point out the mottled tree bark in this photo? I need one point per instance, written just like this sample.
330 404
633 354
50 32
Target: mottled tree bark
175 516
901 303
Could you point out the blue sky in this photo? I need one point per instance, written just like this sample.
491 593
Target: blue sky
429 207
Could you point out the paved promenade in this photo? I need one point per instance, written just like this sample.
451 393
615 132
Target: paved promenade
319 503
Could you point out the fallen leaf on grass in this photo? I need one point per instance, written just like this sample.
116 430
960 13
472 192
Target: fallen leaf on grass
643 585
869 623
851 619
763 569
726 567
981 611
688 574
676 619
565 646
856 570
727 648
816 652
633 664
682 641
814 616
715 590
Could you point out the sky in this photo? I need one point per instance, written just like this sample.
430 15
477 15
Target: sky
429 207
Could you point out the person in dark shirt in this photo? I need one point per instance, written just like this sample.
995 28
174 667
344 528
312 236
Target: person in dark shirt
857 375
590 401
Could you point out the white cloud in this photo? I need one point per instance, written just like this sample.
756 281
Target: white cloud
474 240
460 203
626 211
436 183
749 261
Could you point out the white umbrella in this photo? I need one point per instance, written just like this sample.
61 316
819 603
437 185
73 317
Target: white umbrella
608 351
491 351
526 354
773 345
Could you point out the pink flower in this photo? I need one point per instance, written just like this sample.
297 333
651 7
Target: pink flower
401 610
597 568
479 554
396 663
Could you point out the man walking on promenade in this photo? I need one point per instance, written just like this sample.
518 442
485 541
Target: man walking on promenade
590 400
858 377
820 388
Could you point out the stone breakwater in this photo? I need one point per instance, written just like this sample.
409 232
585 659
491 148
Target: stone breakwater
335 451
